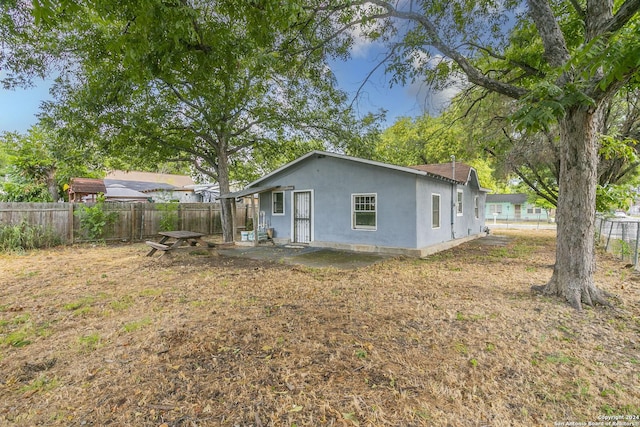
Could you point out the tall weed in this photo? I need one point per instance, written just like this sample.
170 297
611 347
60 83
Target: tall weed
23 236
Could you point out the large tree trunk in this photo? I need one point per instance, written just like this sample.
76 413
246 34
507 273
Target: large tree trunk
52 185
573 274
223 181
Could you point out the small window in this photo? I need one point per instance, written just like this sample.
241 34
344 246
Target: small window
538 210
459 204
435 211
277 199
364 211
476 207
529 210
495 209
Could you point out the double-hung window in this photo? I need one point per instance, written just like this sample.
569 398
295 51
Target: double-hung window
277 200
476 207
364 212
435 211
459 204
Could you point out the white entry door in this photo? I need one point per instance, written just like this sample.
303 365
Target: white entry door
302 217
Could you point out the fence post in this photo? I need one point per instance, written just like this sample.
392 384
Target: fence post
606 247
132 211
70 223
601 225
635 256
210 219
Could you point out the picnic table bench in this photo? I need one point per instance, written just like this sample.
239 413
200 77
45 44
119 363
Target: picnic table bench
180 236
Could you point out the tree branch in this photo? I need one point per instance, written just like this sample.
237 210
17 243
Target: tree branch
579 10
529 70
473 74
531 185
368 76
624 14
555 46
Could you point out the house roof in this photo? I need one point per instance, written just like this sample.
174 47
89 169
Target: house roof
464 169
87 186
507 198
119 192
251 190
142 186
163 178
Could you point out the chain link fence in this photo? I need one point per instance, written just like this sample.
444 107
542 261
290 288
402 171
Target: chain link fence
620 236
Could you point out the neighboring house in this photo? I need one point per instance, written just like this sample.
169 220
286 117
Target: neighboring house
120 193
160 187
332 200
513 207
207 193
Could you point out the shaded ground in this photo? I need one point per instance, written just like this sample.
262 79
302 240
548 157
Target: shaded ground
309 256
95 336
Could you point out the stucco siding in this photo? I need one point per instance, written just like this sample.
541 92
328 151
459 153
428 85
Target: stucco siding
467 223
427 234
334 181
395 205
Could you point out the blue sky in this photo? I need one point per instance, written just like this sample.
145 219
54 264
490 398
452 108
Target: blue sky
18 108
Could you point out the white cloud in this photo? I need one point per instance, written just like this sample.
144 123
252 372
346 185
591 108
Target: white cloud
362 45
434 100
362 42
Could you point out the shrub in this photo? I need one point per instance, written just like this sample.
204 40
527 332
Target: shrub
169 216
25 237
94 219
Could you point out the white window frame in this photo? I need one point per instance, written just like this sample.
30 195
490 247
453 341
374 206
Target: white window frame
353 212
459 202
476 206
273 206
433 226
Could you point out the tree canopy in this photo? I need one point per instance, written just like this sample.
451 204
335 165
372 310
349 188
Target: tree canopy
37 166
560 61
207 83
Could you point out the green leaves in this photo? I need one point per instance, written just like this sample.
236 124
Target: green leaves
422 140
612 147
546 103
94 218
613 196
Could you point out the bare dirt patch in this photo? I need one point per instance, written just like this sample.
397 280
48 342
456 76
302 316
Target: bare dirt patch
106 336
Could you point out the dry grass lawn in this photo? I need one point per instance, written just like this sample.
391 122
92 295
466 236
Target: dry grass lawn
95 336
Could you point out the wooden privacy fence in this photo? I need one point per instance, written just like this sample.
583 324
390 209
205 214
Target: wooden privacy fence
133 221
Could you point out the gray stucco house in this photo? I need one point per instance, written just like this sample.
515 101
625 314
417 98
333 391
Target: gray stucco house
332 200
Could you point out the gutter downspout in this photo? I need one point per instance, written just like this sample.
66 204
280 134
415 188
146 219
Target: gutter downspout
453 197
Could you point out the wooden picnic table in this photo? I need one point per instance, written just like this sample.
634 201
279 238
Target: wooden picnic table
180 236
